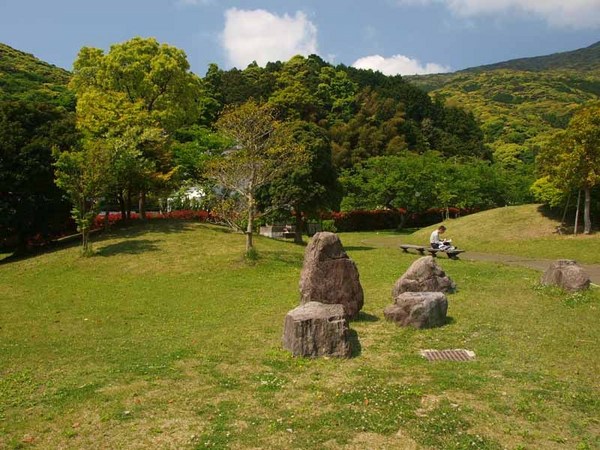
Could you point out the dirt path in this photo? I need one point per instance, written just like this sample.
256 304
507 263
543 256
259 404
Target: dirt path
539 264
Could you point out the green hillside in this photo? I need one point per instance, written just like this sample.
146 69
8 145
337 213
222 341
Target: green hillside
522 102
25 77
517 230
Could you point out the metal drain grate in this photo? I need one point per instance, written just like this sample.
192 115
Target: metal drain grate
448 355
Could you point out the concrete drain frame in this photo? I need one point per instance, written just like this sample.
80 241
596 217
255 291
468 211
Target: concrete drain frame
456 355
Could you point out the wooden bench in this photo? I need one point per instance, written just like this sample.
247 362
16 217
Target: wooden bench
452 254
407 247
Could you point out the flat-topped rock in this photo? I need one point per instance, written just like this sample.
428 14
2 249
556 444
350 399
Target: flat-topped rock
424 275
330 276
418 310
316 329
566 274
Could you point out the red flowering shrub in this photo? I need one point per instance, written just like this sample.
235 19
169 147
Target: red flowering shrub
185 214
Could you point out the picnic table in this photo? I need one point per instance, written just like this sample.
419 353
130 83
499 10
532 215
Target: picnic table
452 254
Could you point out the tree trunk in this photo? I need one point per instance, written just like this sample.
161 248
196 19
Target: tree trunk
564 217
85 240
402 221
122 205
298 227
128 204
21 243
249 244
587 222
106 219
577 213
142 205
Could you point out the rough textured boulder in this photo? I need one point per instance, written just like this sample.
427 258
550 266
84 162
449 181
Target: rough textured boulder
316 329
566 274
424 275
418 310
329 276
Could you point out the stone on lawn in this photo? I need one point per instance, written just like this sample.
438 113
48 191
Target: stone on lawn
418 310
316 329
424 275
566 274
330 276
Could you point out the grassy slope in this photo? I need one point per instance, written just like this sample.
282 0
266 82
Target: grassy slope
515 230
168 339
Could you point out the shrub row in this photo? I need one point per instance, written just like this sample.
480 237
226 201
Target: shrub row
367 220
382 219
184 214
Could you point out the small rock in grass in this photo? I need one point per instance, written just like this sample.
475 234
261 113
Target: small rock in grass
424 275
418 310
567 274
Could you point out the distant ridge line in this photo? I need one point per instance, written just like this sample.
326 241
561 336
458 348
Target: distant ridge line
587 58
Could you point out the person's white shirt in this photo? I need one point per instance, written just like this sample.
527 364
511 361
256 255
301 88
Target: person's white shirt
435 237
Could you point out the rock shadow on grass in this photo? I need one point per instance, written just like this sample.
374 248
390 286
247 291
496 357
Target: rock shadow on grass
449 321
366 317
354 343
137 228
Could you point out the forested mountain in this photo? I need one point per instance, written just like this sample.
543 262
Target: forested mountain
24 77
523 102
365 113
36 116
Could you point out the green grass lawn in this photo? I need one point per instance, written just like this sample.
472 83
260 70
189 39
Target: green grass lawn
167 338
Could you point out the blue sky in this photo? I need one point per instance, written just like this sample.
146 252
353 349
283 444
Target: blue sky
395 36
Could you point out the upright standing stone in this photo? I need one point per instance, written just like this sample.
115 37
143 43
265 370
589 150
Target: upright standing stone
316 329
424 275
566 274
330 276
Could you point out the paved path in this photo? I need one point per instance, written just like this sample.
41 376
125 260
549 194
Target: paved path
539 264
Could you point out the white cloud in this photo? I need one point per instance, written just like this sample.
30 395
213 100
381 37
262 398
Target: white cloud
398 65
261 36
558 13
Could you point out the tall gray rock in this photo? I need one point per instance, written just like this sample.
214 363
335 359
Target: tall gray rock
330 276
315 329
424 275
566 274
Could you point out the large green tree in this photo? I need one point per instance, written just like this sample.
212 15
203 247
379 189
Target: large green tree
572 159
30 203
311 187
419 182
81 173
140 88
262 150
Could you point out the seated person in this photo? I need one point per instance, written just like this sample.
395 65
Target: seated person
436 242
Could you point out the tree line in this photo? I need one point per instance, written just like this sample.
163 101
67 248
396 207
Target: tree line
286 141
